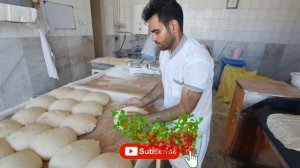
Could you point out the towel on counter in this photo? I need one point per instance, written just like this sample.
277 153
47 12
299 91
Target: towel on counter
48 56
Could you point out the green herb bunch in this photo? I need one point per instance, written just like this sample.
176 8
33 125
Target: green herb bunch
181 133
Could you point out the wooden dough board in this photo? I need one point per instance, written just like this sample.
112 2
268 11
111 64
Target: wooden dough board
137 85
269 88
110 140
111 61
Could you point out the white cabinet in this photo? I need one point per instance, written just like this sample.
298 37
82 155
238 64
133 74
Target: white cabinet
14 13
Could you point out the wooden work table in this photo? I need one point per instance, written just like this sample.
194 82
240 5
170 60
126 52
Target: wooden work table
244 139
111 60
119 89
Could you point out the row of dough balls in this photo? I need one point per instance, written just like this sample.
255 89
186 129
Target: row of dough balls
79 95
77 154
81 123
65 98
59 111
41 138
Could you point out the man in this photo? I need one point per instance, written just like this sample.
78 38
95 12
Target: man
187 73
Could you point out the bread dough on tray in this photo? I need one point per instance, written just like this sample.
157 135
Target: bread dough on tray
22 159
53 118
28 116
88 107
75 155
21 139
49 142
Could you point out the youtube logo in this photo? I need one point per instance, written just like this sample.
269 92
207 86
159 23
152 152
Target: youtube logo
147 151
131 151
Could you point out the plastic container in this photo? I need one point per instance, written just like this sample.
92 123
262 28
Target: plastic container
236 54
232 62
220 67
295 79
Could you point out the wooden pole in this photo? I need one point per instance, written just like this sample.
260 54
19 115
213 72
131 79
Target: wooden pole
158 162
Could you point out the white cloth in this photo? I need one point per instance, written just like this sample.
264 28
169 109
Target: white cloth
48 56
190 66
150 48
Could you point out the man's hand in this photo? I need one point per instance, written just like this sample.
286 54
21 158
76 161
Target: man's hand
192 160
132 102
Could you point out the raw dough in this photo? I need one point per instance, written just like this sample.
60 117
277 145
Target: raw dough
101 98
8 126
118 71
53 118
22 159
60 92
134 110
130 110
21 139
77 94
63 104
286 128
42 101
28 116
89 107
5 148
111 160
80 123
75 155
49 142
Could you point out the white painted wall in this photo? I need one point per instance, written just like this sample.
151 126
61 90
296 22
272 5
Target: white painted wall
265 21
82 14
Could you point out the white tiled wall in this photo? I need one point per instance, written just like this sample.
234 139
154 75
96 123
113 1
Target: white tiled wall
267 21
82 14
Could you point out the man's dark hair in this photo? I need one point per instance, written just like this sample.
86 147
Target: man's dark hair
166 11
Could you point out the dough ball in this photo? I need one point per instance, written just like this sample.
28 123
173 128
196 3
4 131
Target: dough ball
77 94
21 139
28 116
43 101
22 159
89 107
5 148
75 155
134 110
8 126
113 160
53 118
60 92
80 123
63 104
119 71
49 142
101 98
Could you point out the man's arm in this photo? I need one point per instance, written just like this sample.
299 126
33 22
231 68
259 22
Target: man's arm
187 104
154 94
150 97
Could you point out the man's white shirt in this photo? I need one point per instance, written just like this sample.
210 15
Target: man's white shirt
191 66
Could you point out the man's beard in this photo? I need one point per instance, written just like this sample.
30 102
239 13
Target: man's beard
168 44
